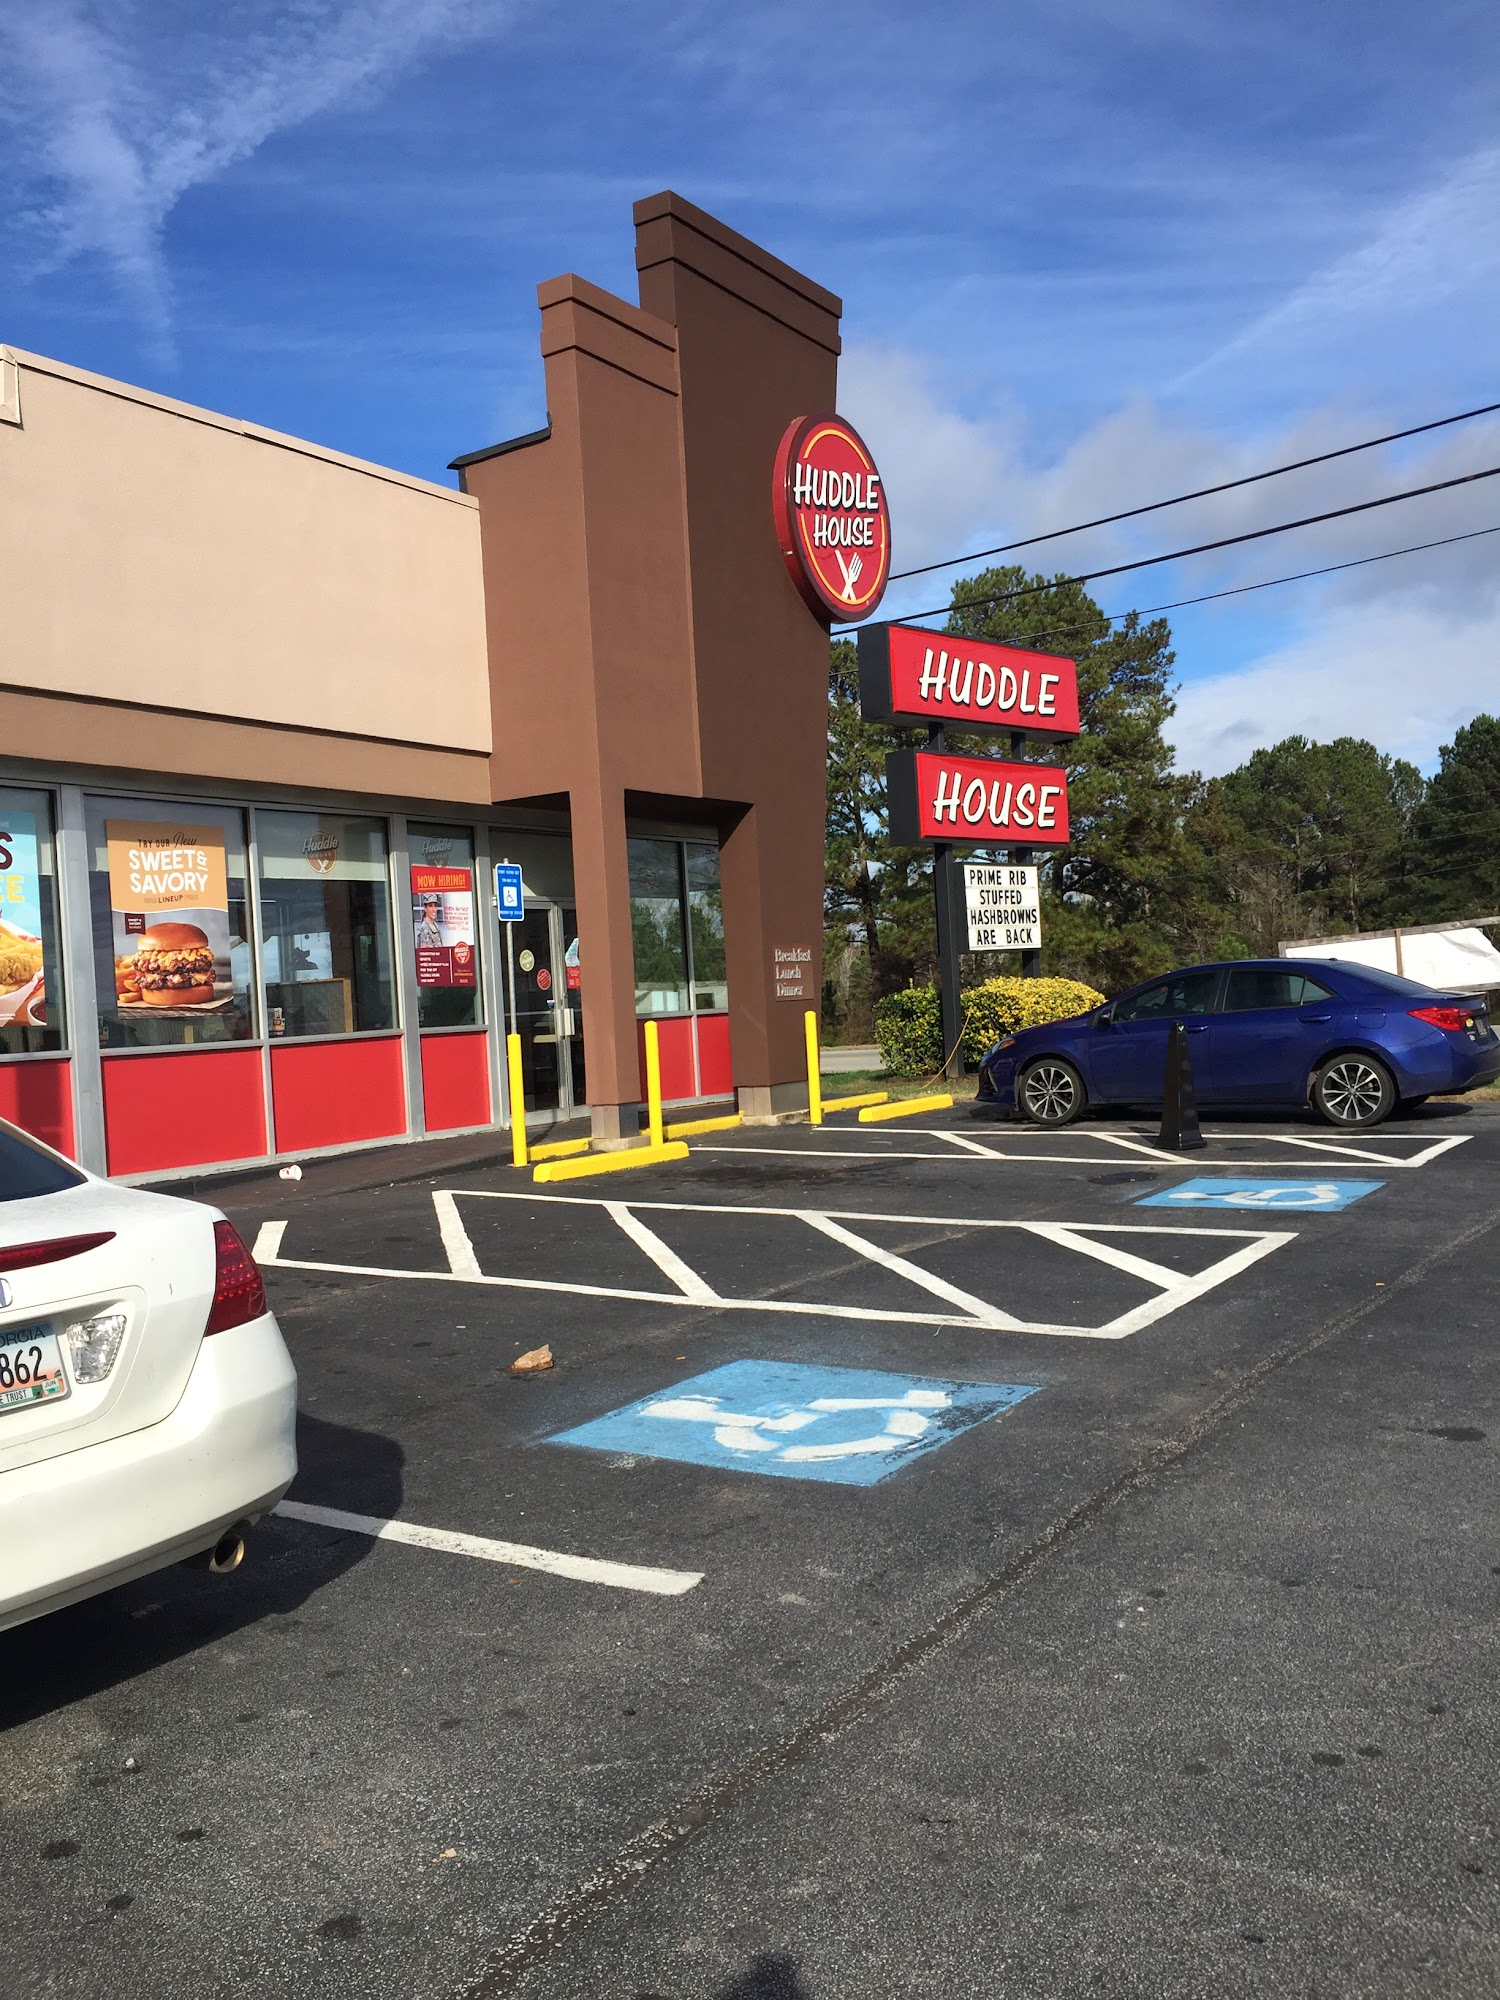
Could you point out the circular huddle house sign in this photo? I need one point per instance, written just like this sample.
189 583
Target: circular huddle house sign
832 521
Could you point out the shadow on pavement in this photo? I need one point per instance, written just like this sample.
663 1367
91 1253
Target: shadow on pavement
86 1648
772 1977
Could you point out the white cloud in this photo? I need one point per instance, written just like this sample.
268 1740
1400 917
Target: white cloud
947 474
1429 248
959 481
1405 679
116 117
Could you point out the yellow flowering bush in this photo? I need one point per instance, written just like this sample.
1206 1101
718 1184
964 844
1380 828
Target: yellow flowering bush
1001 1007
908 1026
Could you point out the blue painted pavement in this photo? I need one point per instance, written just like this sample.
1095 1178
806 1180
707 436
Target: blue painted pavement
1308 1197
853 1425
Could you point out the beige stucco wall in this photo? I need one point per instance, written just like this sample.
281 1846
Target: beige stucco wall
158 554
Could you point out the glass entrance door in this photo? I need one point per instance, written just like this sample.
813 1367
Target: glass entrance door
536 995
570 974
548 1009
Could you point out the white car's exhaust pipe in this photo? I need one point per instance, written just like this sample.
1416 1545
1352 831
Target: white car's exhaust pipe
227 1553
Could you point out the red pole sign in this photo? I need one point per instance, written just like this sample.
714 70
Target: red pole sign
975 801
833 525
910 675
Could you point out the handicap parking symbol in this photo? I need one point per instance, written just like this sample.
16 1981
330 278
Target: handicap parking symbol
855 1426
1305 1196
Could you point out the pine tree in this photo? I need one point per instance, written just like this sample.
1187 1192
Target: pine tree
1456 834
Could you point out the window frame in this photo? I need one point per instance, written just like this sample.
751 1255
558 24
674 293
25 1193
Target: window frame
398 1023
86 943
49 794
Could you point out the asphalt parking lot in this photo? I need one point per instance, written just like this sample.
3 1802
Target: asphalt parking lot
944 1559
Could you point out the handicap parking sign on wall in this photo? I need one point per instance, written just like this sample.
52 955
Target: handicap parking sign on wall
1306 1197
853 1425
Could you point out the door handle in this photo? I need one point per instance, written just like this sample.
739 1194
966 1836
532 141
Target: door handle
1199 1030
1315 1017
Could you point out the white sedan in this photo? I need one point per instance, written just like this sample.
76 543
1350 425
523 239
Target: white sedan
147 1400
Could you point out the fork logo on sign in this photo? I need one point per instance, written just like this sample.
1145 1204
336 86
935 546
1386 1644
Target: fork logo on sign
832 521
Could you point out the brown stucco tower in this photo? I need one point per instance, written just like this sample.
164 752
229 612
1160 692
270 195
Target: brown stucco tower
648 652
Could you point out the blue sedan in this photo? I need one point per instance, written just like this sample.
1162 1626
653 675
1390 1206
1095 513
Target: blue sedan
1352 1041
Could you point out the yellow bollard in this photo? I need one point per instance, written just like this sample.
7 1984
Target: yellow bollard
653 1084
517 1101
814 1076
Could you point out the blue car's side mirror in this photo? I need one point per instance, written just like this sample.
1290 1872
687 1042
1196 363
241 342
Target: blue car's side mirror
1105 1017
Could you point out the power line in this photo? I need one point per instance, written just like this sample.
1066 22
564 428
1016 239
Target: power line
1202 493
1268 583
1301 575
1198 548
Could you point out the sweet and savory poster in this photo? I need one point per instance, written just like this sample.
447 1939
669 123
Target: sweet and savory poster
22 998
169 895
442 909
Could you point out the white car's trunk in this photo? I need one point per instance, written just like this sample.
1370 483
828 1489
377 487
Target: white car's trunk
158 1268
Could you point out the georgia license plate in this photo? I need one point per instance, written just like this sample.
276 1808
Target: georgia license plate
31 1369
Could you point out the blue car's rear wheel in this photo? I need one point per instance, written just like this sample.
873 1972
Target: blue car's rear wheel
1050 1092
1353 1091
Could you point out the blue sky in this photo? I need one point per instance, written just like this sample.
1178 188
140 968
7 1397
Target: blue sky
1090 255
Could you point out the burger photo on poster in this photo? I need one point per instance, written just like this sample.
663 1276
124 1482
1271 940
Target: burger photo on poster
173 966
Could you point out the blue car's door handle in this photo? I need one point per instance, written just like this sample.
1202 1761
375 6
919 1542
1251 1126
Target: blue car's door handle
1200 1028
1315 1017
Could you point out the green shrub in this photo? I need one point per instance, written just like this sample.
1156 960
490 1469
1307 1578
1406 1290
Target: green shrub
909 1029
1001 1007
909 1025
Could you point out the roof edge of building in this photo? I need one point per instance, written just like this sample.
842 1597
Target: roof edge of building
668 203
130 392
469 458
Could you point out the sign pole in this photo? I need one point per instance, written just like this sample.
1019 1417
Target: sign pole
944 877
1024 857
510 906
510 979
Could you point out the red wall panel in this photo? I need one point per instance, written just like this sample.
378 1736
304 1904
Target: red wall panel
675 1044
715 1064
184 1109
38 1096
455 1081
334 1093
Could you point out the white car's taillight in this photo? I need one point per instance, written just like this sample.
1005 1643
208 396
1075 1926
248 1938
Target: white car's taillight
94 1344
239 1290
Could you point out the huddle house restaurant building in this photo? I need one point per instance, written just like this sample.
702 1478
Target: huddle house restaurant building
269 716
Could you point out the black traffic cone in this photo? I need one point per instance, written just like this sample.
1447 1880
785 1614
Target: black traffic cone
1179 1101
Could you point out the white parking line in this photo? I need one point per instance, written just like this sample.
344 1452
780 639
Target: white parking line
1175 1289
514 1555
1141 1149
662 1255
979 1309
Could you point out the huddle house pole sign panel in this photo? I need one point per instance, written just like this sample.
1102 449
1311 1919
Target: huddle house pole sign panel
908 675
833 525
975 801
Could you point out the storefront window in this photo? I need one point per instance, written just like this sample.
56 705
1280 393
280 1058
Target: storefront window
31 1013
169 902
706 932
326 912
661 981
444 926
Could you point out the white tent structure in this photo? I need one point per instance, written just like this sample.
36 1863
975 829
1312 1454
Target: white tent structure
1452 958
